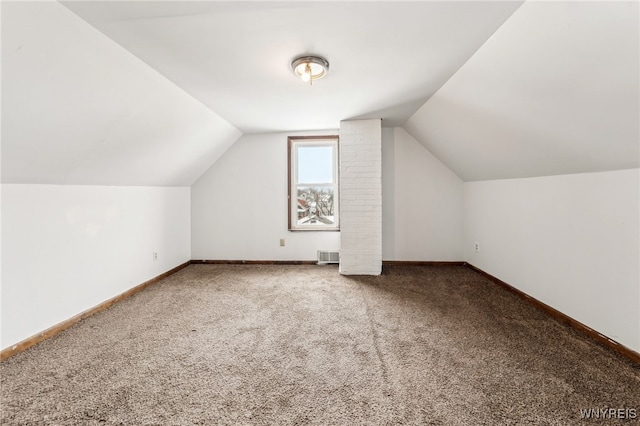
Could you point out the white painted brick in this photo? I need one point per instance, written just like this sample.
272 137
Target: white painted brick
361 197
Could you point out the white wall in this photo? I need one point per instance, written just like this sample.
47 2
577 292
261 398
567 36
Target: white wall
570 241
421 202
68 248
239 206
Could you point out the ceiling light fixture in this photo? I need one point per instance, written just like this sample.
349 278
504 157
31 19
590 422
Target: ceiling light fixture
310 67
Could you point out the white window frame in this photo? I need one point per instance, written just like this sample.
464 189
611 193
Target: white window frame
293 143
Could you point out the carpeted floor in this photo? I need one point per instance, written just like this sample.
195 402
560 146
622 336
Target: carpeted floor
295 345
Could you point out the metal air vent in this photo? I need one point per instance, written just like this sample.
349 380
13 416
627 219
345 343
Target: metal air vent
325 257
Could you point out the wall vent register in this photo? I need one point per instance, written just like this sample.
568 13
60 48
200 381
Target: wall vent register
326 257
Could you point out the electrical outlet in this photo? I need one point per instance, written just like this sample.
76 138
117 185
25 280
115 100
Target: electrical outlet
155 256
477 247
281 242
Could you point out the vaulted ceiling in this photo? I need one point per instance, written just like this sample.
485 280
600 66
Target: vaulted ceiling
553 91
154 92
386 58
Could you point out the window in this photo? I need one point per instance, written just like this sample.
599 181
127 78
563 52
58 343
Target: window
313 183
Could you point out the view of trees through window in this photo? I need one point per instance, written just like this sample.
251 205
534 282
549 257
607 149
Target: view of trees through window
313 183
315 206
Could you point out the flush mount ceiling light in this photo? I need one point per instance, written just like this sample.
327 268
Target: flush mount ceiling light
310 67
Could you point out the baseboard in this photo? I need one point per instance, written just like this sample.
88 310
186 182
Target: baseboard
314 262
422 263
253 262
52 331
564 319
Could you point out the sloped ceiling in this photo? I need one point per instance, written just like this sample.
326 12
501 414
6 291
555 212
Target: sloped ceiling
153 92
79 109
553 91
386 58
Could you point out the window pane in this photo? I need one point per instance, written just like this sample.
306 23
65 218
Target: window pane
315 205
315 164
313 183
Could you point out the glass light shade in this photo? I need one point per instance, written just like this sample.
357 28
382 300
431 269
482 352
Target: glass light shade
309 68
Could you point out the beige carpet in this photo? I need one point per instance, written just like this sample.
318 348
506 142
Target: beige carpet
296 345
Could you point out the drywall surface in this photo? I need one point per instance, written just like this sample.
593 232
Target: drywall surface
239 206
79 109
570 241
66 249
421 202
553 91
214 49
